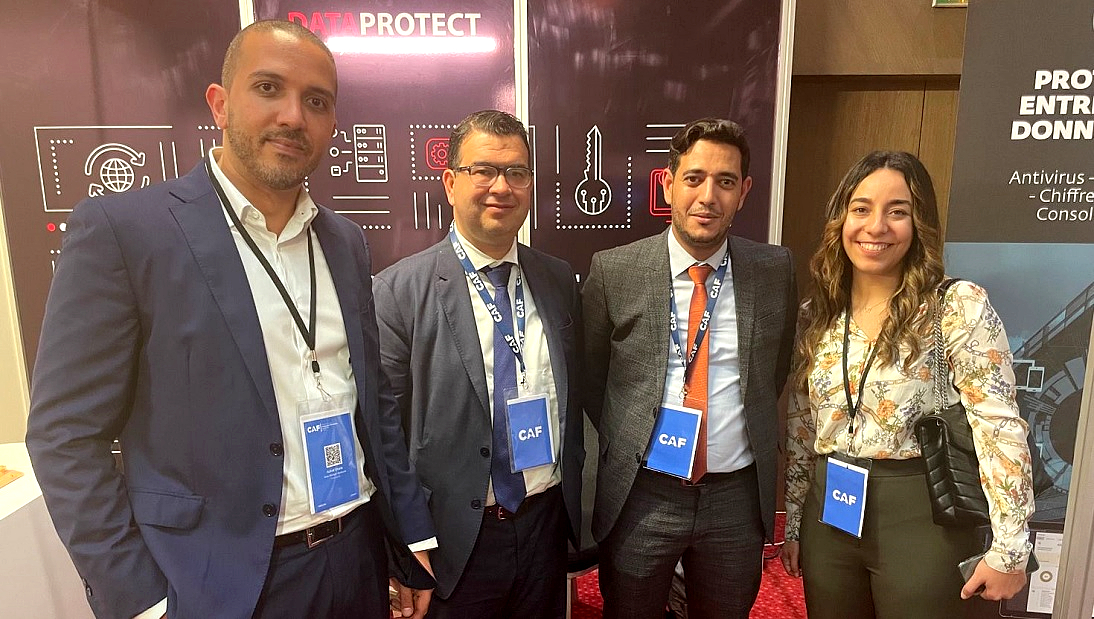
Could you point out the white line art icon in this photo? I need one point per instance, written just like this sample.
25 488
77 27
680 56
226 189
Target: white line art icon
369 154
659 134
426 207
115 174
80 161
593 195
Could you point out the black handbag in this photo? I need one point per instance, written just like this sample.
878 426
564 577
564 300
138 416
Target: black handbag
945 440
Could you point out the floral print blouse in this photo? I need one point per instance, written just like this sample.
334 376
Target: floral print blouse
979 357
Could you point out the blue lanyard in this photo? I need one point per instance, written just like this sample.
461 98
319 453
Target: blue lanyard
504 326
704 324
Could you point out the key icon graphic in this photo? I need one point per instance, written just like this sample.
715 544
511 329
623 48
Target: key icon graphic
593 194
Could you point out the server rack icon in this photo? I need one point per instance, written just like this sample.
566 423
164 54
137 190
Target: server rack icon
370 153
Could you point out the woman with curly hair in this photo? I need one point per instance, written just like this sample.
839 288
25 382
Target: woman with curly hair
862 378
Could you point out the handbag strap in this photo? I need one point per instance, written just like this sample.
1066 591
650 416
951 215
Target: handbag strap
938 355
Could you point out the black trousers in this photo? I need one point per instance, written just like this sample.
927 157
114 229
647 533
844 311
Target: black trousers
904 567
517 567
344 577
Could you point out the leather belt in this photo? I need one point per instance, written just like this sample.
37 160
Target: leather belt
498 512
713 478
313 536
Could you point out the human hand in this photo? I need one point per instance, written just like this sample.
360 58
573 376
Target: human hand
991 584
411 603
790 556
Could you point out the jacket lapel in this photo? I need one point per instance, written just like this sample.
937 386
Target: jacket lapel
203 222
744 294
346 277
455 303
551 315
658 285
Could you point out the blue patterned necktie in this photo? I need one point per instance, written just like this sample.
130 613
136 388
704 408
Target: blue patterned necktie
509 487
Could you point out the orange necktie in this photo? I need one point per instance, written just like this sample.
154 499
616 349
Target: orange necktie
697 384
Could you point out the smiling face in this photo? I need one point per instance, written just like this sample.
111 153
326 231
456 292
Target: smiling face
278 111
705 193
878 227
488 217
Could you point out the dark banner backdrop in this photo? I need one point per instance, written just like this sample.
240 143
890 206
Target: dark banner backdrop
103 96
97 97
611 82
1020 215
407 72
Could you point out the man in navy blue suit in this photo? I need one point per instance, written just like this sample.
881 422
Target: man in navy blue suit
221 326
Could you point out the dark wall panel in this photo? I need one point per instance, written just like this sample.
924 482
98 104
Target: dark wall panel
405 78
97 97
610 82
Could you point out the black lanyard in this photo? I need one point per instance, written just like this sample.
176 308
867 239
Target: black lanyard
853 406
307 332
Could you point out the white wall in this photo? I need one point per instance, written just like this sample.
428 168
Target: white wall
14 393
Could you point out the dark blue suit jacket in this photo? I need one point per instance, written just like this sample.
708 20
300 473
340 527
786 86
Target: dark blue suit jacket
151 336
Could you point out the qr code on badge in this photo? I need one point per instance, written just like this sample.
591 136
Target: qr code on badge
333 454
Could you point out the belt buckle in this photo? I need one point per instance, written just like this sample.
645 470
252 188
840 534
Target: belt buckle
694 484
310 536
499 513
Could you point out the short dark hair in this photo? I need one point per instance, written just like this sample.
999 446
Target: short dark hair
493 122
231 56
713 129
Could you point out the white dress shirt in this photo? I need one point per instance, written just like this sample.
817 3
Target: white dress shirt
535 353
728 448
286 351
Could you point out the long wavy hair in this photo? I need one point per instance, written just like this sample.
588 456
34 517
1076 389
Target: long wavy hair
921 270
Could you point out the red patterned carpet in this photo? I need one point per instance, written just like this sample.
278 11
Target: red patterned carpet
780 595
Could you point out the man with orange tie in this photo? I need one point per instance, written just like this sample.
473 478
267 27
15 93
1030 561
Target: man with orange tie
688 336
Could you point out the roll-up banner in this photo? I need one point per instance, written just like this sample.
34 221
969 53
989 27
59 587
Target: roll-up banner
1021 224
103 97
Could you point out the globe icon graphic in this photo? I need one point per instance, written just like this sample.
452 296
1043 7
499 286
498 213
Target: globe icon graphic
117 175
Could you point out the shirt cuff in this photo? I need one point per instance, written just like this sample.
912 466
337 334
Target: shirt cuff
155 612
426 544
1006 560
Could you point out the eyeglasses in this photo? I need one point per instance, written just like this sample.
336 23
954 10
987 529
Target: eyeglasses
484 175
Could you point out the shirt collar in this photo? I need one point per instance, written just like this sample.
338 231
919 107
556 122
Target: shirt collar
480 260
680 259
305 211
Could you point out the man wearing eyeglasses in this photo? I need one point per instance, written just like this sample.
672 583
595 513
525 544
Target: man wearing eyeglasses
479 338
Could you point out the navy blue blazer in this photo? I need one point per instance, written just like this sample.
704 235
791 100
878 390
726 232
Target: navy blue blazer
151 336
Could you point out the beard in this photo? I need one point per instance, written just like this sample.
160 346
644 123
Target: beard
700 238
276 175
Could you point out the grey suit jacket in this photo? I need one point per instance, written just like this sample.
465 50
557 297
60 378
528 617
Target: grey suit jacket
429 347
626 310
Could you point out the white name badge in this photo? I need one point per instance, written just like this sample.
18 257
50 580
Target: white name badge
844 496
329 455
531 439
672 446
